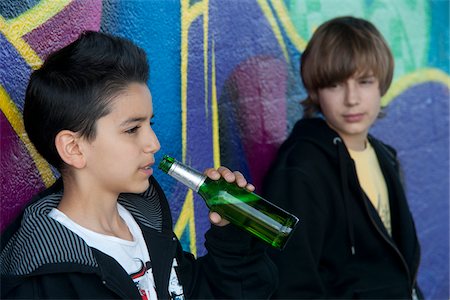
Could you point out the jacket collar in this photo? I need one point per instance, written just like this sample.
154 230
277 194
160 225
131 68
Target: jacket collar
317 132
40 240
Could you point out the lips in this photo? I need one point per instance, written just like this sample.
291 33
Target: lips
352 118
149 166
147 169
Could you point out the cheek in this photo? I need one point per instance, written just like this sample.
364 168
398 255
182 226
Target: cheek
376 105
327 107
328 100
112 152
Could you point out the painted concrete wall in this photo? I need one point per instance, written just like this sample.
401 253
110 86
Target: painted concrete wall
226 88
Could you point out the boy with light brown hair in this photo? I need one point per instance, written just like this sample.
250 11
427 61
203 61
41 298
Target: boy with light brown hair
358 238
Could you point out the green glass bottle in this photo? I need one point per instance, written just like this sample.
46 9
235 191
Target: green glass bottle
244 209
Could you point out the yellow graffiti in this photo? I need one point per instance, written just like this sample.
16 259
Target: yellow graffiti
30 56
185 219
13 30
189 13
215 110
418 77
283 15
12 114
265 7
205 53
36 16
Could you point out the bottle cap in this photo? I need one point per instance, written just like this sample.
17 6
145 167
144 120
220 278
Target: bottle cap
166 163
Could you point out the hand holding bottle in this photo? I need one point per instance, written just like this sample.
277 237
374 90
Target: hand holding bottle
241 207
231 177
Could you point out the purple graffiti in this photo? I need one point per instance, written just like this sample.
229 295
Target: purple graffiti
19 176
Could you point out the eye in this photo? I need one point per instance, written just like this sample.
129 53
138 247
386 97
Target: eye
152 120
333 85
132 130
367 80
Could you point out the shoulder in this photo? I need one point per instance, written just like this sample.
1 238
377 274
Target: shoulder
383 150
302 165
41 241
310 145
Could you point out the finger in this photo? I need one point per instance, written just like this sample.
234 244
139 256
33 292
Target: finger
250 187
226 174
214 217
242 182
212 173
240 179
217 220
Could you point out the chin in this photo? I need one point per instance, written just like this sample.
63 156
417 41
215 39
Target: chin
138 189
144 188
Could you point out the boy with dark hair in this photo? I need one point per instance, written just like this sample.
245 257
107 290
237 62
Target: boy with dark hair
104 229
358 238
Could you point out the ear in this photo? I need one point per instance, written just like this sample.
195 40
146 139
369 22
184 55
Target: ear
313 95
69 149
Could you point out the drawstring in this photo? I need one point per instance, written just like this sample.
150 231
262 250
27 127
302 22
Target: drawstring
343 169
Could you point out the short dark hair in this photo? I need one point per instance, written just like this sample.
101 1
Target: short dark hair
75 86
338 49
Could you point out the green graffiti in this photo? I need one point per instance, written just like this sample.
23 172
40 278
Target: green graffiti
404 23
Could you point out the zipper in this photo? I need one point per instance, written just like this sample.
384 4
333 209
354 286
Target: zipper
414 293
408 272
414 278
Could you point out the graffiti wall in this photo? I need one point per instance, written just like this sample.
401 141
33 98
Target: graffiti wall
226 90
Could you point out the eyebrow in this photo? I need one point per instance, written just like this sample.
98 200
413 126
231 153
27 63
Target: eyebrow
134 120
366 74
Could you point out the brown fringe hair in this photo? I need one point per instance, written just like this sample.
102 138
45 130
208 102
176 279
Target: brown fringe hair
338 49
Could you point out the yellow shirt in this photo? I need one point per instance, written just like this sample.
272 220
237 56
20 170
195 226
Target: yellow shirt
372 182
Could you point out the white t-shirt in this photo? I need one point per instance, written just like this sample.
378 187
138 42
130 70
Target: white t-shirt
133 255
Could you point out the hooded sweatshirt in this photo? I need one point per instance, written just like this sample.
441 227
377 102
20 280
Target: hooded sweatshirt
40 258
341 248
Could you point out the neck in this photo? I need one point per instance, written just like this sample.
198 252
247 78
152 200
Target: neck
355 144
92 208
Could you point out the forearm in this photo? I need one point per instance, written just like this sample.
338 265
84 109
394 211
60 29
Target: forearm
298 264
236 266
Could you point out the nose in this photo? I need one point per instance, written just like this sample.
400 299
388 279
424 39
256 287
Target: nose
151 142
351 94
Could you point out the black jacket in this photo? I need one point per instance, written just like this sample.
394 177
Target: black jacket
341 248
41 258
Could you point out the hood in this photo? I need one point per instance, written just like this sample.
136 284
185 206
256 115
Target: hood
41 240
35 240
315 131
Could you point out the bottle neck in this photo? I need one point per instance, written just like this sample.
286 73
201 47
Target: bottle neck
186 175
